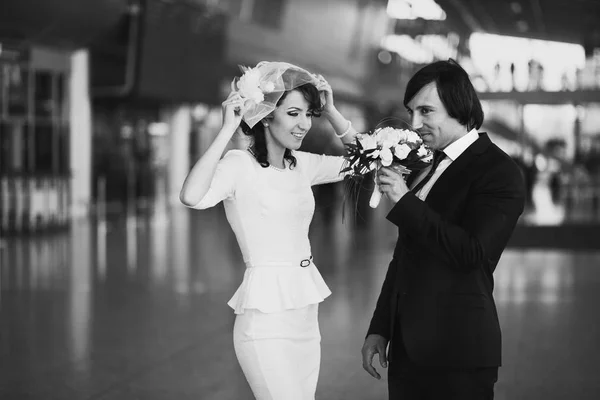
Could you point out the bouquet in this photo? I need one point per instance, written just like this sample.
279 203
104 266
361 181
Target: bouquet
402 149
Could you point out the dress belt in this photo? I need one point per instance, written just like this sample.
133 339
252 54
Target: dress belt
271 264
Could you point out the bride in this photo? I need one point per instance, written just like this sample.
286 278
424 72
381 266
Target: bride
268 201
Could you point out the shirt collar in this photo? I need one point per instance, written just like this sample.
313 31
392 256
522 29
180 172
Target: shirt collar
456 148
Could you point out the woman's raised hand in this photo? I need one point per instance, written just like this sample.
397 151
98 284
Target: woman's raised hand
233 110
324 86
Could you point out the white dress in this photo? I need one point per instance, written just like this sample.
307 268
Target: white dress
276 332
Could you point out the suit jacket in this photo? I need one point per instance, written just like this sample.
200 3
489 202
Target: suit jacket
438 287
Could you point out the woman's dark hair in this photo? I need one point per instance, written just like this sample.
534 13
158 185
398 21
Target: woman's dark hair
259 146
454 88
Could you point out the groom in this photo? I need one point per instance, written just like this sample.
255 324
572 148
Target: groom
436 309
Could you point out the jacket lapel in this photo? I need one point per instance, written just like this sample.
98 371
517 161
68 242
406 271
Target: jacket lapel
411 178
454 174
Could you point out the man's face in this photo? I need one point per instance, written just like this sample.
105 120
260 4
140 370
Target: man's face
431 120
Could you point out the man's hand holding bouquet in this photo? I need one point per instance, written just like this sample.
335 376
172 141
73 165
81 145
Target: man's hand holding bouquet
401 149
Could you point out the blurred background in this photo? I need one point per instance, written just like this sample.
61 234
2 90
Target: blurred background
111 289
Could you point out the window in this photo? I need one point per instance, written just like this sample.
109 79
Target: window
17 85
236 8
3 90
14 155
44 148
43 94
63 157
267 13
32 119
5 148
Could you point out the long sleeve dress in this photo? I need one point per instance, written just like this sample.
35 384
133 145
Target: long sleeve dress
276 333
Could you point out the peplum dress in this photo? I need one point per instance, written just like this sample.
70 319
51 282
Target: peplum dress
276 333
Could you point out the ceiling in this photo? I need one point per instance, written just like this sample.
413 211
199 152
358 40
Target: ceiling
575 21
63 23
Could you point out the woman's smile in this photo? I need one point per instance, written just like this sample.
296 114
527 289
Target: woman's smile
299 136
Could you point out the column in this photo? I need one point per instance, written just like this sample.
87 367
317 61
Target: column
80 132
579 113
179 120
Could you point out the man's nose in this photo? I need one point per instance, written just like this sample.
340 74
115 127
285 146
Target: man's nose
416 121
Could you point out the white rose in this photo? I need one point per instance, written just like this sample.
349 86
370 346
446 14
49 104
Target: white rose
367 142
379 134
402 151
422 152
387 137
386 157
393 138
402 135
413 137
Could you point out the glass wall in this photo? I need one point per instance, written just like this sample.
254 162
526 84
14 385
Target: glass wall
33 132
34 147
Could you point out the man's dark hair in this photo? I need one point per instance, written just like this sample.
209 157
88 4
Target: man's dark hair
454 88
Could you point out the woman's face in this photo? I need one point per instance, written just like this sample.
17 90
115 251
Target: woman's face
290 122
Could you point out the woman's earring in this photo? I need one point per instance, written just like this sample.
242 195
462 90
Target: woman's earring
265 124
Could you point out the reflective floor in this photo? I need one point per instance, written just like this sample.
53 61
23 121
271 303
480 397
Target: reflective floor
136 309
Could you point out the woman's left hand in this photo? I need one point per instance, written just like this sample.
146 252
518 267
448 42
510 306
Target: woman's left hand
324 86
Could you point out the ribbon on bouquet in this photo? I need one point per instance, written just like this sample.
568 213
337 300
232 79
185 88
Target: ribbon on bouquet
377 193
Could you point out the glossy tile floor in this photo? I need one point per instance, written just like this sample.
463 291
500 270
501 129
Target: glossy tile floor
136 309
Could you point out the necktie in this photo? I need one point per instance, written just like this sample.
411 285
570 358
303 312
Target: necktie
438 156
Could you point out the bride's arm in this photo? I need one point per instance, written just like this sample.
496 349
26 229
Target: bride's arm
342 126
199 179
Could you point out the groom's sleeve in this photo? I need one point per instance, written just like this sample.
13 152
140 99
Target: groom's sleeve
381 322
491 212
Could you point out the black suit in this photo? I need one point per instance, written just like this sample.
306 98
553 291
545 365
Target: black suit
436 305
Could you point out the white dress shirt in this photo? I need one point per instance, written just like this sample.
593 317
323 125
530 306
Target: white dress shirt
452 151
